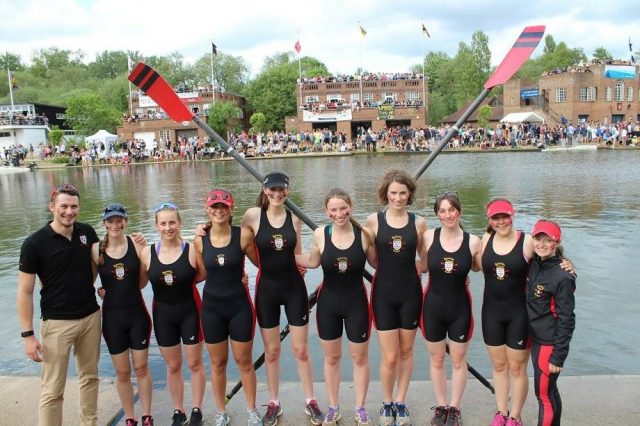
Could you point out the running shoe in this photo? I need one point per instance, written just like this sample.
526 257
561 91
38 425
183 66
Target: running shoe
221 419
439 415
131 422
513 422
454 417
147 420
499 420
387 415
314 413
196 417
402 415
332 416
253 418
274 411
362 418
179 418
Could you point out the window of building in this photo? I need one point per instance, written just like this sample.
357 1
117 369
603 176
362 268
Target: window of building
561 94
607 94
582 94
629 94
355 97
311 99
368 97
592 94
334 97
412 96
60 116
389 97
619 90
167 134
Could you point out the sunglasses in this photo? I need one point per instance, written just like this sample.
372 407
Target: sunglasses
115 208
166 206
449 194
64 188
218 196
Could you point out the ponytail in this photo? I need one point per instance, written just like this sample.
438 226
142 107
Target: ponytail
102 248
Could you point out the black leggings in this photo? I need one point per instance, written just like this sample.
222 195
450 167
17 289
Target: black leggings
545 385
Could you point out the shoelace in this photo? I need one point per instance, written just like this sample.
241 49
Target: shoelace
331 413
315 410
402 410
254 417
220 419
387 410
271 410
439 410
362 415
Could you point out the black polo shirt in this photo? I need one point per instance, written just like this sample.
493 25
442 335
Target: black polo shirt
64 268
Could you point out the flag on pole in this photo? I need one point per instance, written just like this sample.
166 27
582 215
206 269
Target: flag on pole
214 49
363 32
424 31
12 79
297 46
630 45
129 63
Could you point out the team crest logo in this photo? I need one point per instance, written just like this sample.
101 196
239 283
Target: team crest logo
343 264
501 270
83 240
396 243
539 290
449 264
278 242
119 271
168 278
220 259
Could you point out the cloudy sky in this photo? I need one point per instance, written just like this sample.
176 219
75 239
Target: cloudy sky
327 29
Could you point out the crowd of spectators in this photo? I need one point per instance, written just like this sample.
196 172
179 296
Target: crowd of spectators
586 66
380 76
17 119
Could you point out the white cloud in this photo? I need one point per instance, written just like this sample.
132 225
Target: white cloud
328 30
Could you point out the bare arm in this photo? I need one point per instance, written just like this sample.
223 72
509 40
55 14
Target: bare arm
421 228
427 240
312 260
247 243
201 271
371 227
26 285
475 245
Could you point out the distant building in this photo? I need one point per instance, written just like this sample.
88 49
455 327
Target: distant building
29 124
344 103
593 92
150 122
497 112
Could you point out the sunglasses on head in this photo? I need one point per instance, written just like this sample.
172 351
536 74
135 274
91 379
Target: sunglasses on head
166 206
64 188
218 196
449 194
115 208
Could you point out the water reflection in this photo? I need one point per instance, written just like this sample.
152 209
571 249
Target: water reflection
595 196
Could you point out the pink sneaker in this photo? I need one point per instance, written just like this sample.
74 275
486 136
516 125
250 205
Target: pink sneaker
499 420
513 422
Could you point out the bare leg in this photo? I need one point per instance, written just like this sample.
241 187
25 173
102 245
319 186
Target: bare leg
437 351
519 380
122 365
198 376
243 357
143 377
389 347
271 340
173 359
332 355
405 364
219 355
459 372
360 360
300 348
498 355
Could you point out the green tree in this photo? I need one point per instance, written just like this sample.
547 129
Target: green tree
55 135
87 113
108 64
549 44
555 56
602 54
258 122
11 61
439 107
230 73
273 91
224 117
484 113
47 60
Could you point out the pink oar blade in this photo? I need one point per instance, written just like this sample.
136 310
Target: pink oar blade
519 53
157 88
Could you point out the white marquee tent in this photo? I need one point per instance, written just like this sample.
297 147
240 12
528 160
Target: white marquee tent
522 117
102 136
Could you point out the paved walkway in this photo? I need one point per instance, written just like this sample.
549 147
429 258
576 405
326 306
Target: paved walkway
586 400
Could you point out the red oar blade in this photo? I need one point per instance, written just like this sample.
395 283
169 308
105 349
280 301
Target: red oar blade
157 88
519 53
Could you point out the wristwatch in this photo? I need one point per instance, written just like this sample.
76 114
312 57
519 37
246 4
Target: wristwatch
26 333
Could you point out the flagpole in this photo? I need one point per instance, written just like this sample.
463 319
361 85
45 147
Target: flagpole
130 91
213 83
361 37
300 72
424 87
10 89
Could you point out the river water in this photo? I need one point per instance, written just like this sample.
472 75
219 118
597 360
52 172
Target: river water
595 196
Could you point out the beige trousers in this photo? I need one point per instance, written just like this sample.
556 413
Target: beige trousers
57 339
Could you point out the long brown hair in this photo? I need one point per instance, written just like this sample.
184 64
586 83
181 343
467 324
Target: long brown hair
399 176
343 195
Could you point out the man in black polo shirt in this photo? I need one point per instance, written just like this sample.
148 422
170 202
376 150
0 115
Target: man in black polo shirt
60 255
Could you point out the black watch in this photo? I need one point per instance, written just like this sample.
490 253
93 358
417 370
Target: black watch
26 333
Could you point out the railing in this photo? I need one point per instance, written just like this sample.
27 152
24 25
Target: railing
23 121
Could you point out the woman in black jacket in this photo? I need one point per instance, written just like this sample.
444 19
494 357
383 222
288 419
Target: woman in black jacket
550 307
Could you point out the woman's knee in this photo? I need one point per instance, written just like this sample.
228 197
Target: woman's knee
219 364
301 352
360 360
437 361
272 354
123 374
332 359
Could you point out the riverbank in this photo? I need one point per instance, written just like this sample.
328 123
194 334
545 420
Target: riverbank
586 400
49 164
